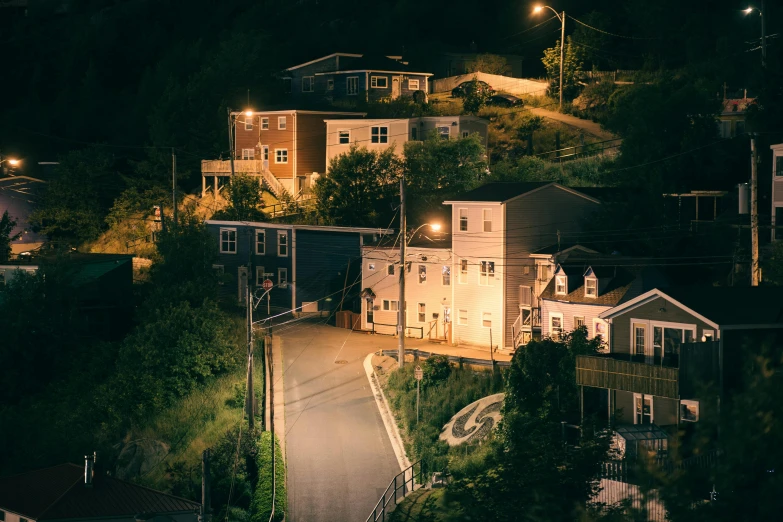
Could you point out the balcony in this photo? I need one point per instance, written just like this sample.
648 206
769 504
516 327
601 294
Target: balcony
213 167
632 373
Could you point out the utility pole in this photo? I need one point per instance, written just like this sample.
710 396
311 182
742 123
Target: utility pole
754 214
205 512
230 143
250 395
562 55
401 304
763 36
174 183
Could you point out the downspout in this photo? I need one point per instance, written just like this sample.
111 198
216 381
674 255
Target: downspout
296 155
504 310
293 269
367 86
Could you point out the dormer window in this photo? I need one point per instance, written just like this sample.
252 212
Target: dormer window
591 287
560 285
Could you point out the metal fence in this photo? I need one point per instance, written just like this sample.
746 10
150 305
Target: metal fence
394 332
597 148
402 484
452 358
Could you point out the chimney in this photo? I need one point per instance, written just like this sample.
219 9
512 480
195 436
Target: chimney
89 464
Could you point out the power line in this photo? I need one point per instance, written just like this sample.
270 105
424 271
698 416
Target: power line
611 34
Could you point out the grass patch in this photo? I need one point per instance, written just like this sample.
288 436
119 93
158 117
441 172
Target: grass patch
261 506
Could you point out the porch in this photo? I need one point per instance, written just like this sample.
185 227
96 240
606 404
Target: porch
220 172
526 326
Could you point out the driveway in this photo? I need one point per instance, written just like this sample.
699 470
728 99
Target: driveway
339 457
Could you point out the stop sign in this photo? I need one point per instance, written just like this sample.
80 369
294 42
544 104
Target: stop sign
267 284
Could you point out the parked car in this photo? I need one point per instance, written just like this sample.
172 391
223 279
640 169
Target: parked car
505 100
460 90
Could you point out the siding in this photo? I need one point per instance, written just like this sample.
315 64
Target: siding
569 310
623 406
621 325
664 411
360 135
324 262
533 222
273 137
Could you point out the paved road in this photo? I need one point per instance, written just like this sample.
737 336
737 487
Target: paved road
339 456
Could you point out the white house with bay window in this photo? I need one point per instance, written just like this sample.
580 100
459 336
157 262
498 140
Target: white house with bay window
380 134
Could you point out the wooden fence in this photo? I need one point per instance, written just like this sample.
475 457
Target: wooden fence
637 377
507 84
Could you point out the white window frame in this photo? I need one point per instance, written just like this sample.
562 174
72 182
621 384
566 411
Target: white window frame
463 271
264 123
260 232
689 403
260 275
330 84
421 312
422 271
649 335
544 273
486 316
391 305
282 123
463 218
248 154
413 85
312 83
487 222
379 138
282 277
652 404
282 234
352 80
604 338
281 154
443 135
552 333
575 326
345 133
594 282
465 134
228 241
460 320
445 275
486 276
558 280
375 84
248 123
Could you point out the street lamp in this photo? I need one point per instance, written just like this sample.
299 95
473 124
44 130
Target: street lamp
13 162
232 133
560 16
401 305
748 11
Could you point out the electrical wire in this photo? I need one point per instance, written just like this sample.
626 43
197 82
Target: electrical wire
611 34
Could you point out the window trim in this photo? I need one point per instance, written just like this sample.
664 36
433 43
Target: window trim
284 121
441 135
387 305
348 85
312 83
283 270
282 233
584 323
228 229
650 325
604 338
419 313
340 136
260 275
277 157
265 123
248 154
411 81
483 314
465 134
463 219
643 396
487 275
374 84
463 274
484 219
445 272
556 315
595 287
422 270
248 122
330 84
459 317
558 280
689 402
262 233
380 136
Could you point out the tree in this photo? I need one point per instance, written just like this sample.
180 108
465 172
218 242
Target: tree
6 238
530 474
475 96
244 200
358 187
572 68
490 64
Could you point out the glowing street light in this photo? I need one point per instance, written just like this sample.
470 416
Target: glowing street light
748 11
561 16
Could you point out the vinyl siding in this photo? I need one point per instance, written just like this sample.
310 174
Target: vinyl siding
310 144
360 135
569 310
273 137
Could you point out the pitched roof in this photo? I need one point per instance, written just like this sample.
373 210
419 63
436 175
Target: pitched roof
562 249
58 493
502 191
370 62
611 295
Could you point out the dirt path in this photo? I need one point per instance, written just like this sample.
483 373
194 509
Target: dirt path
588 126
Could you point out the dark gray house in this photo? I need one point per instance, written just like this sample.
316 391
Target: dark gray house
353 77
309 266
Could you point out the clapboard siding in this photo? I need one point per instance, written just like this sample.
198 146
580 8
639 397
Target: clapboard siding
615 374
569 311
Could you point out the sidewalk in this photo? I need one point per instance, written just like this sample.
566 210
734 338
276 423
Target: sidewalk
387 342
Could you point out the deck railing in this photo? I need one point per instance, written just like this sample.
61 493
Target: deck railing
637 377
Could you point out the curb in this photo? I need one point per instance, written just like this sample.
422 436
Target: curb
386 415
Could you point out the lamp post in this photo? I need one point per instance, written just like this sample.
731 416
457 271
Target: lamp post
232 133
560 16
13 162
749 10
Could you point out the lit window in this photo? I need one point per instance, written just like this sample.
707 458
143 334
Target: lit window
352 85
422 274
264 123
689 411
486 320
446 275
487 273
308 82
282 277
422 313
379 82
228 240
444 132
413 85
260 275
260 242
345 137
330 84
282 243
555 326
281 155
560 285
281 123
463 220
462 317
487 220
390 270
591 287
248 122
463 271
248 154
379 134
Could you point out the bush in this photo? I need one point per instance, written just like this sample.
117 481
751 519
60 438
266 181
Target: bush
435 369
261 506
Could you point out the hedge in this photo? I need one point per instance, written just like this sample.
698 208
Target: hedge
261 506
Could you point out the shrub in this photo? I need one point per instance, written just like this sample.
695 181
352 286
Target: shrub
261 507
437 368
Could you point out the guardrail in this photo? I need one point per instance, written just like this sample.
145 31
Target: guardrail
419 328
452 358
405 480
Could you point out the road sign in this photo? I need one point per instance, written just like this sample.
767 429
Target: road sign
418 373
267 284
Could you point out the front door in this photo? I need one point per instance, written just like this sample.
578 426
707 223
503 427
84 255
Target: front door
447 322
643 407
640 344
265 156
370 316
396 81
